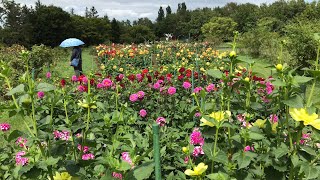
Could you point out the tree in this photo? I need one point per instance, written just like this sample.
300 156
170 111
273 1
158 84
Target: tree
115 31
160 15
141 33
219 29
93 12
168 10
51 25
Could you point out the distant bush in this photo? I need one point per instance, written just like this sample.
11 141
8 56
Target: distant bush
300 40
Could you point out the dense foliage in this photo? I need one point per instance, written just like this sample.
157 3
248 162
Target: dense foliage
220 117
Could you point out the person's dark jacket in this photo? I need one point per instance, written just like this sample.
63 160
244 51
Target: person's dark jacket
76 53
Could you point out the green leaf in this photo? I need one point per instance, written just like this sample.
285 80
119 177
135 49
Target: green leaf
52 161
215 73
309 150
255 136
143 171
295 102
14 135
301 79
221 157
218 176
246 59
278 83
15 90
124 166
281 151
295 160
310 171
45 87
242 159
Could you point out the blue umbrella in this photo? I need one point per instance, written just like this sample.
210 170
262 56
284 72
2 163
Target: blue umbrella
70 42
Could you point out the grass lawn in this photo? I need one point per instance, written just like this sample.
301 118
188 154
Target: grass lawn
64 70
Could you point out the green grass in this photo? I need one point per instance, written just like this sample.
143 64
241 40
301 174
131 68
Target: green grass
64 70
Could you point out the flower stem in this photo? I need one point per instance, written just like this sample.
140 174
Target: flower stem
214 148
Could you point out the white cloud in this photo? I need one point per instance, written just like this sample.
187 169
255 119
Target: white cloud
133 9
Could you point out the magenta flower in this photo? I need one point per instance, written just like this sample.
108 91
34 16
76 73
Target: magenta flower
248 148
197 114
143 113
197 89
64 135
197 151
121 76
156 86
40 94
84 148
186 159
48 75
21 142
100 85
117 175
186 85
210 87
139 77
172 90
74 78
5 127
21 160
126 157
161 121
269 87
273 118
160 81
133 97
86 157
140 94
81 88
196 137
107 82
85 80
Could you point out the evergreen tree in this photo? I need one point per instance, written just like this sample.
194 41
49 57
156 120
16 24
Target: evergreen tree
115 31
168 10
160 14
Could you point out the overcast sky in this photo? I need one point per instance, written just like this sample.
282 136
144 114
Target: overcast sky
133 9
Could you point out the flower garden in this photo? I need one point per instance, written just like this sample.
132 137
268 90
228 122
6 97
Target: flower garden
219 116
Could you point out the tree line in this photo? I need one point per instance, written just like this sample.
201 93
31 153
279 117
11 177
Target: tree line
49 25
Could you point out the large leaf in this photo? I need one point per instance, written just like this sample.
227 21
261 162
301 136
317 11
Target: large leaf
301 79
310 171
256 136
14 135
18 89
218 176
45 87
281 151
215 73
143 171
295 102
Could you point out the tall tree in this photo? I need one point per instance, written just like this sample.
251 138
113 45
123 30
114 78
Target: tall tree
168 10
93 13
51 25
115 31
160 14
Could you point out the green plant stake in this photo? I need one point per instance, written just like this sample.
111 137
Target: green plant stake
156 149
32 73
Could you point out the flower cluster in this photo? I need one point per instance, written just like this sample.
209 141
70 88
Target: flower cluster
20 160
125 156
197 140
4 127
63 135
117 175
161 121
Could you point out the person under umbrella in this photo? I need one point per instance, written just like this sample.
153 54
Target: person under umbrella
76 57
77 53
